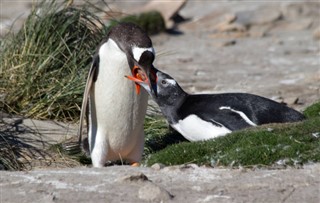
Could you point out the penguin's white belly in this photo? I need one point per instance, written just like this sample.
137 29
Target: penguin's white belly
120 116
117 112
195 129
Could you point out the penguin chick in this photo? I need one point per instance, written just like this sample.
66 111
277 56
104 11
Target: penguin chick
205 116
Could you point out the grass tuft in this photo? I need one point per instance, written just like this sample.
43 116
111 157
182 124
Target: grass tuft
159 135
44 65
313 110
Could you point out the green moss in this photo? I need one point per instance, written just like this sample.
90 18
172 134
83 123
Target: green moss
290 143
313 110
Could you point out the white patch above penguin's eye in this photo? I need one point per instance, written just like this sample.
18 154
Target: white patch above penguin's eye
138 51
171 81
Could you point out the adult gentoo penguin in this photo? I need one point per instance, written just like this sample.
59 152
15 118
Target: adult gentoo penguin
115 113
205 116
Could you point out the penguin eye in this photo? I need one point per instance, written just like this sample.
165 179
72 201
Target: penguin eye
163 82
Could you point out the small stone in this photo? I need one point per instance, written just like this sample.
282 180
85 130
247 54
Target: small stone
230 18
189 166
259 30
233 27
228 35
226 43
296 25
269 129
297 10
157 166
278 99
316 34
316 135
292 100
153 193
134 178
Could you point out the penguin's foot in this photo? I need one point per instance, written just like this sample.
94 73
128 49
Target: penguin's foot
135 164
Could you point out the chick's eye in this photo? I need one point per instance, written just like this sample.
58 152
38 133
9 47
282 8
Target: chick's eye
163 82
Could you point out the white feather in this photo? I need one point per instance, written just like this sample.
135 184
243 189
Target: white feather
137 52
171 81
195 129
243 116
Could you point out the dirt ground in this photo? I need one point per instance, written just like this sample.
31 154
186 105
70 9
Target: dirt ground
270 49
188 183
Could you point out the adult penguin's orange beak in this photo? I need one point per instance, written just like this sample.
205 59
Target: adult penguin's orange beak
145 77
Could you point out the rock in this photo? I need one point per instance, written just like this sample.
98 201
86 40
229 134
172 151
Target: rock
259 30
316 34
208 22
292 101
225 43
297 10
296 25
134 178
153 193
157 166
188 166
226 27
260 16
228 35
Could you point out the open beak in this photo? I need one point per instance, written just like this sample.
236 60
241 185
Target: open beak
147 79
138 76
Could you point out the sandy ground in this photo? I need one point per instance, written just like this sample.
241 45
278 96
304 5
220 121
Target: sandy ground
188 183
271 49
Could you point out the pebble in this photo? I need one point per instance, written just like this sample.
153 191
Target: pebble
226 43
227 27
134 178
154 193
157 166
316 34
259 31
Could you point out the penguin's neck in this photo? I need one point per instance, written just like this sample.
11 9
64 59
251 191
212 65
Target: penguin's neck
170 111
114 62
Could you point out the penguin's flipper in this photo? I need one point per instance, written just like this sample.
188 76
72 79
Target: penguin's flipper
92 77
233 119
226 118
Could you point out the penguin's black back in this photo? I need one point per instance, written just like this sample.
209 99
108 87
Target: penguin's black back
258 109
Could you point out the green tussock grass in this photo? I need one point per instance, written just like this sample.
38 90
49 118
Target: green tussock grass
44 65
